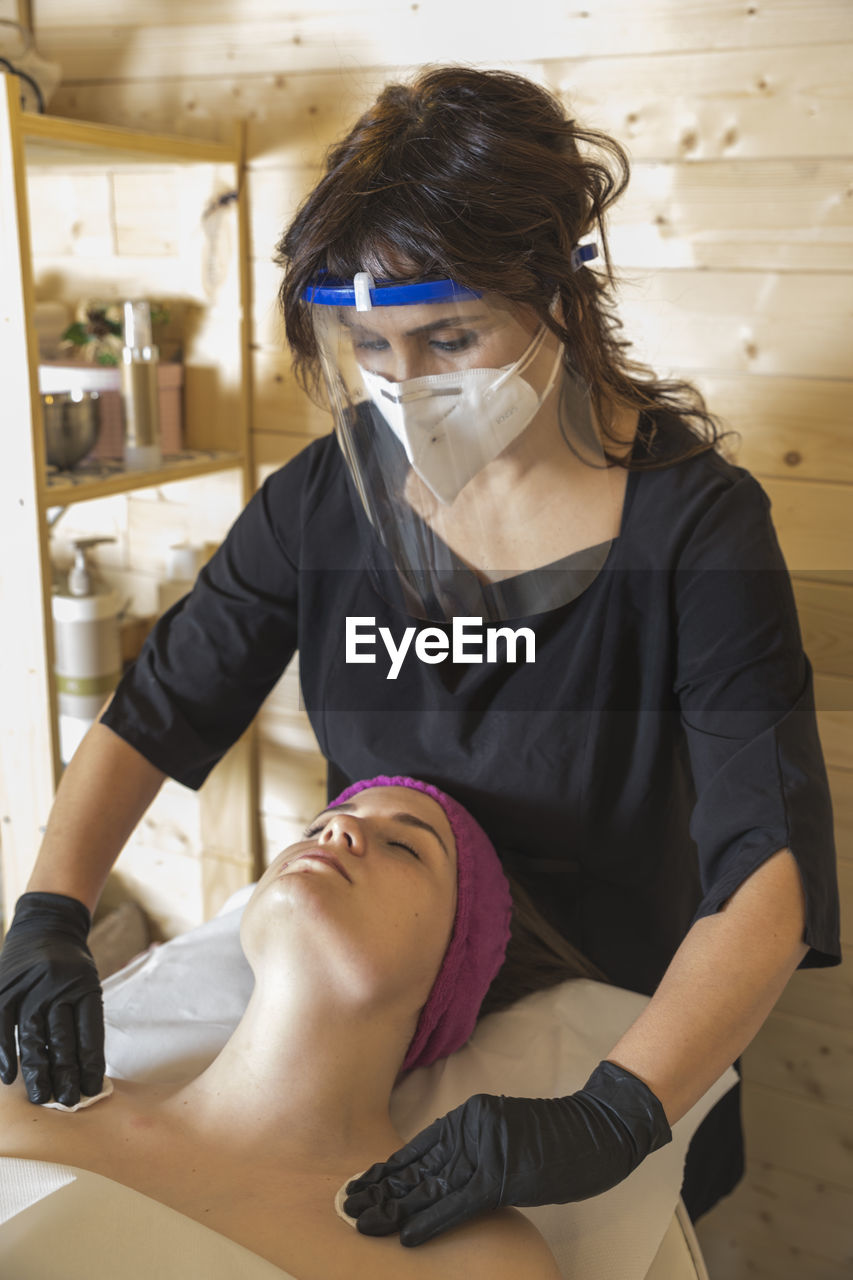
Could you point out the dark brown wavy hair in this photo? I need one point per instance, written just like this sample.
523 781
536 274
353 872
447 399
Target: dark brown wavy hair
480 176
537 957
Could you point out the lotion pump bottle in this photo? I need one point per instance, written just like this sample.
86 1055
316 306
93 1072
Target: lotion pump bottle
139 390
87 663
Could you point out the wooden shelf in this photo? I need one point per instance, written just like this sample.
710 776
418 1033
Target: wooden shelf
104 478
54 139
91 210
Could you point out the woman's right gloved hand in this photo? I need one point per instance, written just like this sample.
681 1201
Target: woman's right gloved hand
49 987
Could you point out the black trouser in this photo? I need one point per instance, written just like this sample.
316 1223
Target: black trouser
715 1157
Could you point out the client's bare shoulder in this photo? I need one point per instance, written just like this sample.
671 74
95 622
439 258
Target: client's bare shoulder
495 1246
20 1131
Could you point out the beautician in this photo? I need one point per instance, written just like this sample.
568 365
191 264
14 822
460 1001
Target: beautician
640 738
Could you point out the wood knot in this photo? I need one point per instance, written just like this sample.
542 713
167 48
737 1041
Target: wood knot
793 458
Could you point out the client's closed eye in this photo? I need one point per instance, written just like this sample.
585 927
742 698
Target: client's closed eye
398 844
316 827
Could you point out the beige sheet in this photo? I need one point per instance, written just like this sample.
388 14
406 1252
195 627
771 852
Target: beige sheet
96 1229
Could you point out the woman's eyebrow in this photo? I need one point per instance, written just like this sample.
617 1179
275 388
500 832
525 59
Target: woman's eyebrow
447 322
411 821
408 819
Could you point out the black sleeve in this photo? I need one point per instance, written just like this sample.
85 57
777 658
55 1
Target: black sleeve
746 699
210 661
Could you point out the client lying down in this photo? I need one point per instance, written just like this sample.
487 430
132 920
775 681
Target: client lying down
373 942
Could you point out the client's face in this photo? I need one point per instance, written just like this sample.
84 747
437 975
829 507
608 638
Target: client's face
366 900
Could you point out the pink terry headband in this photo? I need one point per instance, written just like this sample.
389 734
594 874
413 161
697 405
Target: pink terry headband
478 944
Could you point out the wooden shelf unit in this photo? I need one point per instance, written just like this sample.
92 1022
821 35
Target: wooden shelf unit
165 183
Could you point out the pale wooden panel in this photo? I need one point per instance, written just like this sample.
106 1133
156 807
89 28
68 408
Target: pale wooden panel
293 791
290 119
814 523
192 850
779 1225
286 731
146 227
70 278
604 27
729 214
835 726
373 34
29 758
280 404
86 229
771 101
754 1256
267 321
726 322
693 321
297 42
826 621
274 196
789 427
803 1057
712 108
177 892
227 821
192 511
799 1135
841 790
272 451
293 771
825 995
754 215
845 890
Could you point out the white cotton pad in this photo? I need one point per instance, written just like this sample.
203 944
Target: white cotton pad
341 1197
84 1102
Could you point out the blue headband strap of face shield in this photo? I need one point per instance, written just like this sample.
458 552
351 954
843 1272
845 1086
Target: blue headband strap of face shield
364 293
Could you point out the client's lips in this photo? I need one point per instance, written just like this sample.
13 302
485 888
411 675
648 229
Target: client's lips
325 857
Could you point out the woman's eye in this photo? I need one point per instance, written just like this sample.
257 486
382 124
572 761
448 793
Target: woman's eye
312 831
376 344
398 844
454 344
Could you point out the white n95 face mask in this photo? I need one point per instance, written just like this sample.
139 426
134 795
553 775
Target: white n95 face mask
437 539
451 425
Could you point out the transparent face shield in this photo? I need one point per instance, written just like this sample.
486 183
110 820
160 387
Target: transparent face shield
471 446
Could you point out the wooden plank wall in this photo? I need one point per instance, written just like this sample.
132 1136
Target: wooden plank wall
736 248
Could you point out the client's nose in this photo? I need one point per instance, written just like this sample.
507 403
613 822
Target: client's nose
345 830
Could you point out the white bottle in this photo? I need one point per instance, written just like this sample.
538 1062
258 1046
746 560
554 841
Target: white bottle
183 561
87 662
139 390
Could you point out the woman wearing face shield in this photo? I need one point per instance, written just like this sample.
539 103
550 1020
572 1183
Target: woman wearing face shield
596 642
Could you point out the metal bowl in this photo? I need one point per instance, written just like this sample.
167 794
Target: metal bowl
71 425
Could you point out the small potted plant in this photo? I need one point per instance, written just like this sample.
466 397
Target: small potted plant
96 334
89 354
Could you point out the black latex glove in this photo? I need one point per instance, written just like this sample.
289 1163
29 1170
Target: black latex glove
495 1151
49 986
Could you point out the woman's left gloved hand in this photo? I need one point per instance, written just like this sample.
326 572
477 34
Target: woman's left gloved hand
495 1151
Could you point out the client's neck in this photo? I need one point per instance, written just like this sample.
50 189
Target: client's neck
304 1079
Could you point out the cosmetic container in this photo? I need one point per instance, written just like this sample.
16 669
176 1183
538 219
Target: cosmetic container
139 390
